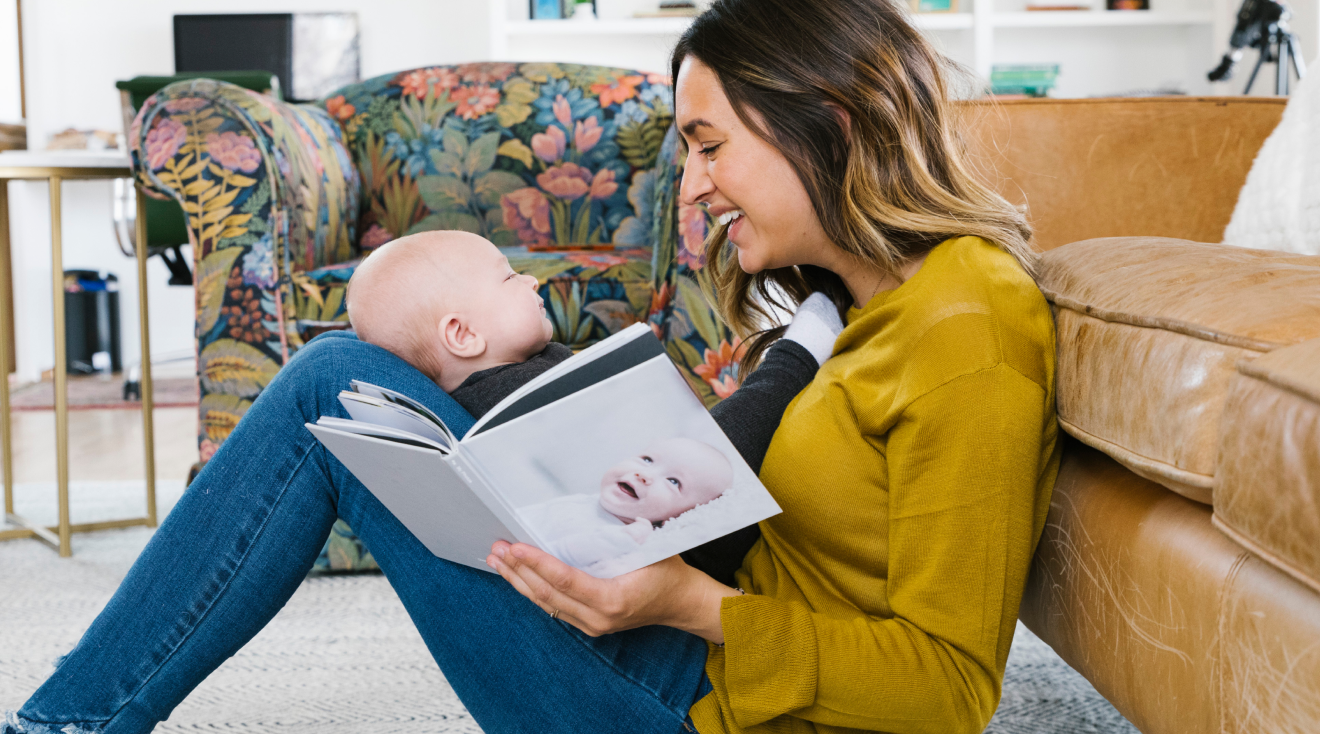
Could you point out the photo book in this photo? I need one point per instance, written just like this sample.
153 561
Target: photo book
608 461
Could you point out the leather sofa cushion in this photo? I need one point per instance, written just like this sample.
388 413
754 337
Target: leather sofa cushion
1149 332
1267 489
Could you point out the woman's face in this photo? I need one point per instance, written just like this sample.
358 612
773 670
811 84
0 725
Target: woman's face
738 175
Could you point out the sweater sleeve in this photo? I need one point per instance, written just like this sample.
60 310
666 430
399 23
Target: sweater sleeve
964 475
749 418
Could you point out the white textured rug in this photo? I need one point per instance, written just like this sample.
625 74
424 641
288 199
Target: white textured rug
343 656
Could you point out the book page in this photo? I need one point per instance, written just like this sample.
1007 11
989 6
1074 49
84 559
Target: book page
362 428
367 409
398 398
580 471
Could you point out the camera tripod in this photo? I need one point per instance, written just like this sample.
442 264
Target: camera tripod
1279 48
1263 24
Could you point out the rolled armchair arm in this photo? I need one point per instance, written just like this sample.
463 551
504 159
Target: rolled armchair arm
269 192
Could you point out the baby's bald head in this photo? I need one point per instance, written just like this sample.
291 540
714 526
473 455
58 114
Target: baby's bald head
446 301
398 293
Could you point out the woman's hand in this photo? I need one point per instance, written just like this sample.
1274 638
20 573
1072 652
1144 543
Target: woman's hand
670 593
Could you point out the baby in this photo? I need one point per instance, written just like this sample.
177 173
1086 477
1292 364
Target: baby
636 495
449 304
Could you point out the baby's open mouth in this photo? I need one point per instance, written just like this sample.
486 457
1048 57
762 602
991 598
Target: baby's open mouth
627 488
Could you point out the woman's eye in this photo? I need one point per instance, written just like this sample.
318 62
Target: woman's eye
707 150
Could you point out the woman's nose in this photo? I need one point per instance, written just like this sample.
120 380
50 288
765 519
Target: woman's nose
696 184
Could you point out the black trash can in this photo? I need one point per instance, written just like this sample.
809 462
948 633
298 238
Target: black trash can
91 321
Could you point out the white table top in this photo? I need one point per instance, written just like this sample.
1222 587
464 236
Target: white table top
63 158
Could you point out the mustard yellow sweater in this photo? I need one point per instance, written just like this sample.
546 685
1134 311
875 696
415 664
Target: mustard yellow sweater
914 473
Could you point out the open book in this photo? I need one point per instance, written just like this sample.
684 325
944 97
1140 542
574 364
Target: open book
608 461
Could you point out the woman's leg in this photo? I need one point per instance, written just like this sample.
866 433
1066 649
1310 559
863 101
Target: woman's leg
239 542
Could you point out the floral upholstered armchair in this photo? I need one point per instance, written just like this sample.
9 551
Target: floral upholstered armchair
572 170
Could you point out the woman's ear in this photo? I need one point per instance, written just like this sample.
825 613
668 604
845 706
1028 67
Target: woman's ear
458 338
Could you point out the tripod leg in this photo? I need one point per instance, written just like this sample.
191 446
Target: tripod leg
1281 67
1264 53
1296 57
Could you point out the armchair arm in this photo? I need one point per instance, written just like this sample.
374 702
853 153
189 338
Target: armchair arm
269 192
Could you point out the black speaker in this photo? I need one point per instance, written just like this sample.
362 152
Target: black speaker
312 54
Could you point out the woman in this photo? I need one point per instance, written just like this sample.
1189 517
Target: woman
914 473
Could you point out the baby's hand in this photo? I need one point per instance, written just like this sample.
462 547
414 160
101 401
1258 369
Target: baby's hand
639 530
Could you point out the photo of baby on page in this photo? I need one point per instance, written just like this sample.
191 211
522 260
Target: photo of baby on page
614 477
637 496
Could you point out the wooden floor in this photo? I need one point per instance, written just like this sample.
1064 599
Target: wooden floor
104 444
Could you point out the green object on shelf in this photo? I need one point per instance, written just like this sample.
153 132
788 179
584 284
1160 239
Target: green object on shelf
1033 80
141 87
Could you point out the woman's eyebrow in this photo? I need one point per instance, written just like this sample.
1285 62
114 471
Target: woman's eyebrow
691 126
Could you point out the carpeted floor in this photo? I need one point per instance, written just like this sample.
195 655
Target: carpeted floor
343 656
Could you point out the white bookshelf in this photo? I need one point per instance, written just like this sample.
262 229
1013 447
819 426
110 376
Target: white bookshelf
1099 51
1096 18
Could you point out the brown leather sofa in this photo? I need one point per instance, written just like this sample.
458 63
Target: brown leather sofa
1179 570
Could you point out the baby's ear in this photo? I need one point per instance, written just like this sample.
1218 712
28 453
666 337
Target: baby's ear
458 338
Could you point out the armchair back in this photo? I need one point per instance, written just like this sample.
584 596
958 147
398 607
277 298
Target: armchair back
571 169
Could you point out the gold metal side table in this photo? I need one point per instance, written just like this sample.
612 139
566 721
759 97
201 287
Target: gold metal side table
57 168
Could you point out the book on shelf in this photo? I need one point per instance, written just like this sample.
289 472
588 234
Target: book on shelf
608 461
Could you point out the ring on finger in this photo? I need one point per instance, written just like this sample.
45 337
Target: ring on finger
555 614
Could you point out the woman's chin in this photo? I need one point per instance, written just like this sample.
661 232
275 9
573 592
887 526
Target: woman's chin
749 261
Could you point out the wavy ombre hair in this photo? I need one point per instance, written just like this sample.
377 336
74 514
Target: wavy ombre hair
888 186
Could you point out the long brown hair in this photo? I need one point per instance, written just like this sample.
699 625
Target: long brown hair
887 187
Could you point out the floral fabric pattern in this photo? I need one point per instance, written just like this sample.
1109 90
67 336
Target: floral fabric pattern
571 170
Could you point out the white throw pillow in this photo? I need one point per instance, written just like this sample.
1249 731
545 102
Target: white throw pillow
1279 207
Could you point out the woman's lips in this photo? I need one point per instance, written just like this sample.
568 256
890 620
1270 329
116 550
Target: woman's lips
735 228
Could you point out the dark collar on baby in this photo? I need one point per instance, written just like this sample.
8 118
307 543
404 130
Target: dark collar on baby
483 390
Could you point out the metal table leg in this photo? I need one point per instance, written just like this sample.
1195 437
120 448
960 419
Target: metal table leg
148 400
6 359
65 528
61 369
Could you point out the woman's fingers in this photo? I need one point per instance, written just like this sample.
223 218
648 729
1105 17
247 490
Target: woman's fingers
523 570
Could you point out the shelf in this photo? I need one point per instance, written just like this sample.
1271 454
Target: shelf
622 26
1093 18
942 21
675 26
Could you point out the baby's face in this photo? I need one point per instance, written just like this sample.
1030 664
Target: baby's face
669 478
501 305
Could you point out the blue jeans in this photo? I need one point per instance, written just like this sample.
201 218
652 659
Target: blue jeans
246 532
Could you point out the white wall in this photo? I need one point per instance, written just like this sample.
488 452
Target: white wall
9 106
77 49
